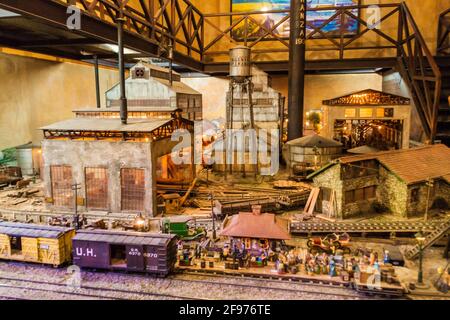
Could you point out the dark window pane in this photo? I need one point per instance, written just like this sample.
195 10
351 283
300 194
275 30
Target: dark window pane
62 194
133 189
96 188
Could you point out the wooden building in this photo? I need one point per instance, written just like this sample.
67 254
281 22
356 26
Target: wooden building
35 243
369 117
255 230
401 182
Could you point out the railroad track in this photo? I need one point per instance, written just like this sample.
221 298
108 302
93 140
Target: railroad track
303 286
363 227
87 295
295 288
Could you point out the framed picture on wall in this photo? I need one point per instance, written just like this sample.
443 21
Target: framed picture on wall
277 10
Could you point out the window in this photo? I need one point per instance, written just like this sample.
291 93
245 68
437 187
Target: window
96 188
133 189
349 196
380 112
361 194
415 193
366 112
370 192
350 113
62 194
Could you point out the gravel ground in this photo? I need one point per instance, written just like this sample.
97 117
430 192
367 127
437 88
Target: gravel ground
214 289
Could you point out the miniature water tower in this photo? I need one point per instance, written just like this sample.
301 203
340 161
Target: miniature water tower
240 97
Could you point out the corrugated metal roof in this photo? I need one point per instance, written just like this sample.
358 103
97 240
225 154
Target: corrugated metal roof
88 124
32 230
120 237
178 87
130 109
314 140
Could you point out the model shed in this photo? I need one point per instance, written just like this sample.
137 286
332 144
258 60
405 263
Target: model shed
130 251
35 243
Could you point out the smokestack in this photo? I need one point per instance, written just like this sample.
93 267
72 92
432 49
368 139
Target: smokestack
297 51
123 98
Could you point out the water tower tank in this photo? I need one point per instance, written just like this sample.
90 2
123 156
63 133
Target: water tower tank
240 63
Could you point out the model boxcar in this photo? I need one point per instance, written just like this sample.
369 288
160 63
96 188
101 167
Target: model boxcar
131 251
35 243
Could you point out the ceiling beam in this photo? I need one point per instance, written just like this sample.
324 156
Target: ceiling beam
54 14
281 67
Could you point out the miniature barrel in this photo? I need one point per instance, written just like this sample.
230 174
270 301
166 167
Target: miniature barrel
240 63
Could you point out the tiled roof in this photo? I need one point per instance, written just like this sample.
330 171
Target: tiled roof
412 165
249 225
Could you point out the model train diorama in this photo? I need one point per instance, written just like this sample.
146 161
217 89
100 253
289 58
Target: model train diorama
154 254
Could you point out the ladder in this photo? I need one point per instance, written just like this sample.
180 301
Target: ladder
432 238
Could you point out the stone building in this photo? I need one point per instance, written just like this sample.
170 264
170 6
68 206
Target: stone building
369 117
396 182
149 89
115 165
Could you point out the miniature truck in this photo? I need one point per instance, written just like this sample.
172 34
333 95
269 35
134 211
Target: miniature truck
183 226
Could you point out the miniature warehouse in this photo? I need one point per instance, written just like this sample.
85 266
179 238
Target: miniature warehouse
261 157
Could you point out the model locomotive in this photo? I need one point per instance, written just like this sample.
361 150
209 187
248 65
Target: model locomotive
154 254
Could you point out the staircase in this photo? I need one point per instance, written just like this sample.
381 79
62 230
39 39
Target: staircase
431 239
443 125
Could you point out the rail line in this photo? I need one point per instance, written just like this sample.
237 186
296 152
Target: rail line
298 227
273 288
323 283
102 289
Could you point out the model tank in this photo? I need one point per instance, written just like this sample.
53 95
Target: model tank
240 63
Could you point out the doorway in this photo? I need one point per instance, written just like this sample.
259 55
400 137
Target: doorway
118 256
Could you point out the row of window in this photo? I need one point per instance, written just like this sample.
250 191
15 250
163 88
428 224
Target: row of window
96 187
368 193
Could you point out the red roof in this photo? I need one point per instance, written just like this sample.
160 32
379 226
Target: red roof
262 226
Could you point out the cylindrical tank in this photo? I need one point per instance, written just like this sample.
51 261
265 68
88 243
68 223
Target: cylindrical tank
240 63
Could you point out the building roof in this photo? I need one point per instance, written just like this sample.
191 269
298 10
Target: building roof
178 87
130 109
124 238
262 226
363 150
314 140
32 230
368 97
93 124
410 165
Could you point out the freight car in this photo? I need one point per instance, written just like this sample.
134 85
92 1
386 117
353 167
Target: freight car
154 254
35 243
